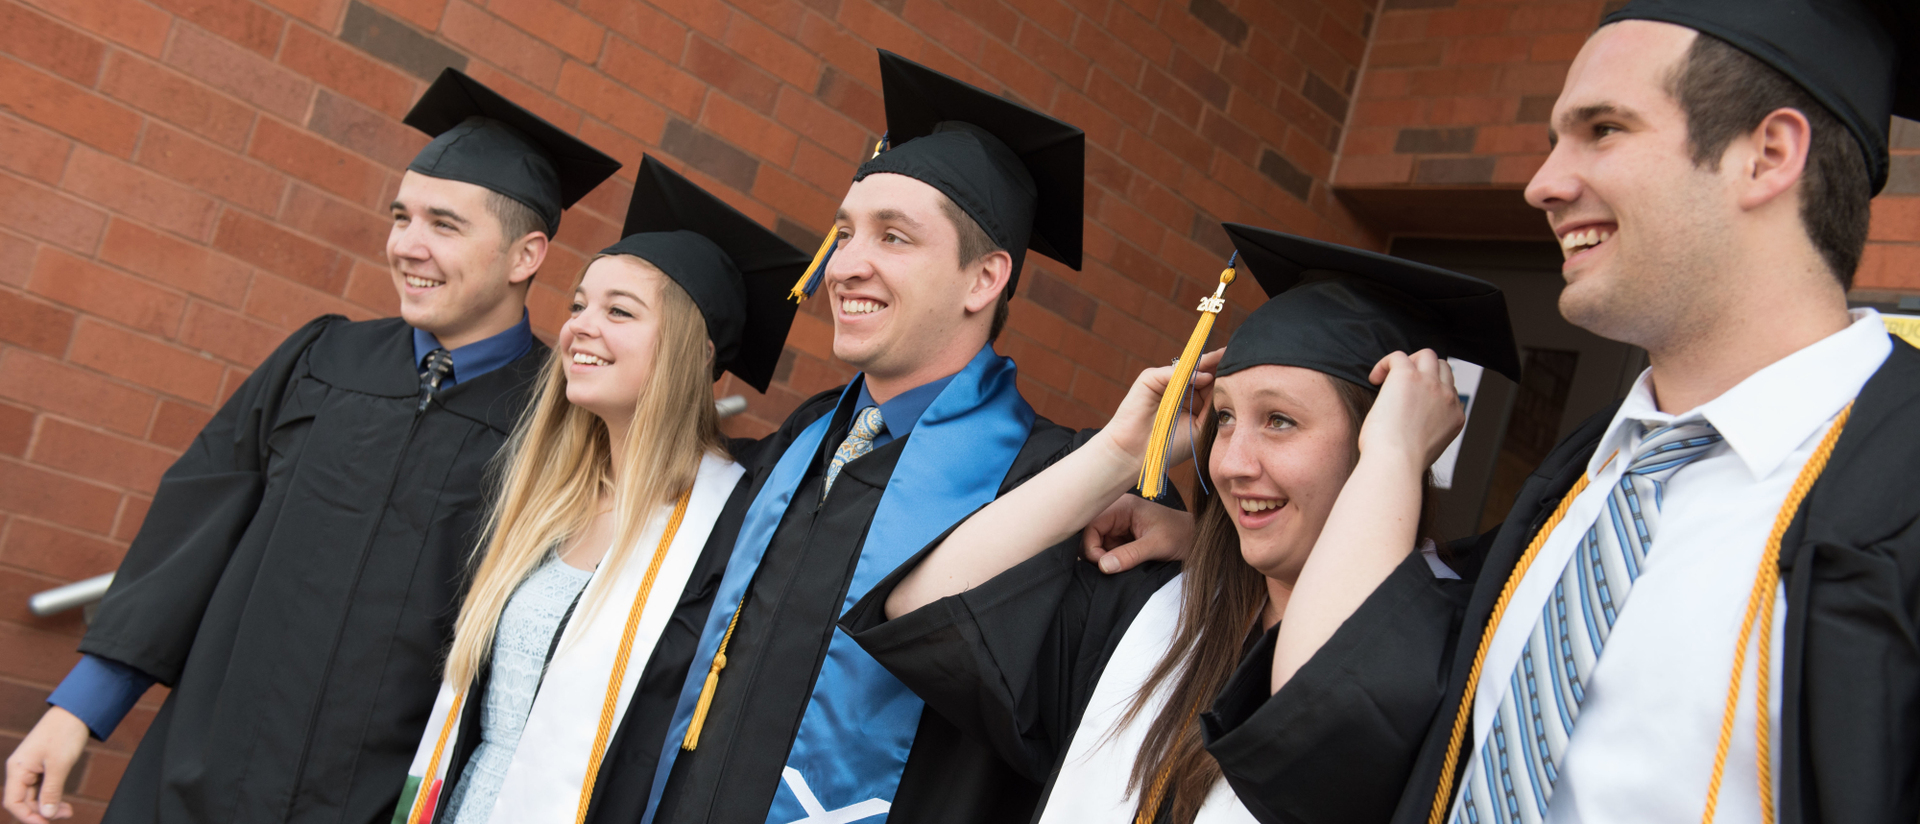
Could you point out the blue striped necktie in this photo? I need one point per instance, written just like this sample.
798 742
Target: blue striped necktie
1511 776
866 426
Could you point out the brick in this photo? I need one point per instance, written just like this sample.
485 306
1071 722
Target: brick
499 42
699 15
1554 17
238 72
1328 98
322 14
16 259
228 335
33 151
1467 21
41 213
347 71
145 361
138 193
1190 33
1216 16
562 116
554 23
372 286
1229 137
1368 170
641 23
1159 87
1350 44
769 50
656 78
133 511
1480 50
874 24
1453 80
1537 108
392 41
1517 168
212 170
97 456
133 24
847 96
33 324
38 39
710 154
1101 126
792 196
805 115
1435 141
16 429
241 21
842 49
601 97
747 129
1531 78
102 292
1889 266
1312 158
1517 139
731 75
1470 111
352 228
386 141
60 388
826 172
1186 144
1277 59
179 100
1454 170
1063 300
1423 53
1119 98
68 109
29 490
992 16
1209 84
1107 52
301 154
1141 34
279 251
176 424
1285 174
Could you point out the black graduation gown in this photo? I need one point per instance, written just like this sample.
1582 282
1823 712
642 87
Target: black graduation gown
1360 732
1012 662
781 641
296 581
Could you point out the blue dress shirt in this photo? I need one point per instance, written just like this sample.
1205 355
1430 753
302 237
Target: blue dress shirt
900 414
101 691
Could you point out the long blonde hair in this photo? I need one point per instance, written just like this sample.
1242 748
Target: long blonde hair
558 462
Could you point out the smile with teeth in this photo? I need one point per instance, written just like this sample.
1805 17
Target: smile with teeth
421 283
589 360
1253 505
860 306
1573 243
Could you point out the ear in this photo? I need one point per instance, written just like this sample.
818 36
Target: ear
1774 157
989 277
525 256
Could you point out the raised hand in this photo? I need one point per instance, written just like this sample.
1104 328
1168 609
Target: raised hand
1133 421
1418 410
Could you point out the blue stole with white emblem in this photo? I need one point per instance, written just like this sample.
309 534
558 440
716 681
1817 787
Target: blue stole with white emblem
860 721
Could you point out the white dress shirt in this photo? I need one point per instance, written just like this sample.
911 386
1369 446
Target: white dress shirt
1643 747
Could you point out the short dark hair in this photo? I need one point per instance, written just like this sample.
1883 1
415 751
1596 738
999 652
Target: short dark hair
516 218
974 245
1726 92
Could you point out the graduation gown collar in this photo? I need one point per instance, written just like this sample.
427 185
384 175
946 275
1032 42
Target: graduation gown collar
376 358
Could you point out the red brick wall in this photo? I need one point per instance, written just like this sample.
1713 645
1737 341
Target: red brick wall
184 181
1452 111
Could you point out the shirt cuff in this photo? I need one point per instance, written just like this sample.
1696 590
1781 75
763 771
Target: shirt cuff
100 692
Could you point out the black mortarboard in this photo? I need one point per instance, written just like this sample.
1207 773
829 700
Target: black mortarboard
1018 173
736 270
1859 58
1339 310
487 140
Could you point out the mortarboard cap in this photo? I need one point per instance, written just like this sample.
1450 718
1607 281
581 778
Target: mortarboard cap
487 140
1018 173
1339 310
736 270
1859 58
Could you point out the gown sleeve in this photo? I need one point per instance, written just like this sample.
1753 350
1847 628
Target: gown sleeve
205 502
1338 742
1011 662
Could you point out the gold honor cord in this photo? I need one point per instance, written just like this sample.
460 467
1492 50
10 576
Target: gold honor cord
1153 468
612 701
1759 611
817 269
425 793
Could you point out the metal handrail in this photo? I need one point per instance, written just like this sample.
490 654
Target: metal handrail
90 591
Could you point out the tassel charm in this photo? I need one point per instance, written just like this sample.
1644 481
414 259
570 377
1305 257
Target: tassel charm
712 684
1153 468
817 270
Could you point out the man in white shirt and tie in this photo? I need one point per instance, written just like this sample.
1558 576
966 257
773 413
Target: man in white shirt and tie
1706 603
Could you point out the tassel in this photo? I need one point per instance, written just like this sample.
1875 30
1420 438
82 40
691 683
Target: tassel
1153 469
817 270
707 689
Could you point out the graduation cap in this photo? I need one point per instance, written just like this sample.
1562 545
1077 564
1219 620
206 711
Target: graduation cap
487 140
735 269
1859 58
1018 173
1339 310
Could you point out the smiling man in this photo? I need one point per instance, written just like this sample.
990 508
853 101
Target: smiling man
783 717
296 579
1704 603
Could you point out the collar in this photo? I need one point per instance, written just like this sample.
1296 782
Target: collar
904 410
481 356
1770 414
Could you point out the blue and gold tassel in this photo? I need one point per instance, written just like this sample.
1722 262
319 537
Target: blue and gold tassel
817 270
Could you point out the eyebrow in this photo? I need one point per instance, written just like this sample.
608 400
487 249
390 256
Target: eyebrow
1588 114
615 293
441 211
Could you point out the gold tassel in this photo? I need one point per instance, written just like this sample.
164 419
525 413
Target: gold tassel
1153 469
713 682
810 278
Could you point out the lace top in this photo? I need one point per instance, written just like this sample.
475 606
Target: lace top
527 627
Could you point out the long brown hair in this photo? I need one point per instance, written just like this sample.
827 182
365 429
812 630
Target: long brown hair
559 462
1222 597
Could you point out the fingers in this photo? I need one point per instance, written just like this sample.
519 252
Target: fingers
21 800
52 785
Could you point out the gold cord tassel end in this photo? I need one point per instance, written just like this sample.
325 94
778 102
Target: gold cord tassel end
1153 468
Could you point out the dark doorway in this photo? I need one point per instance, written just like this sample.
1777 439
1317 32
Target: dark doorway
1569 375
